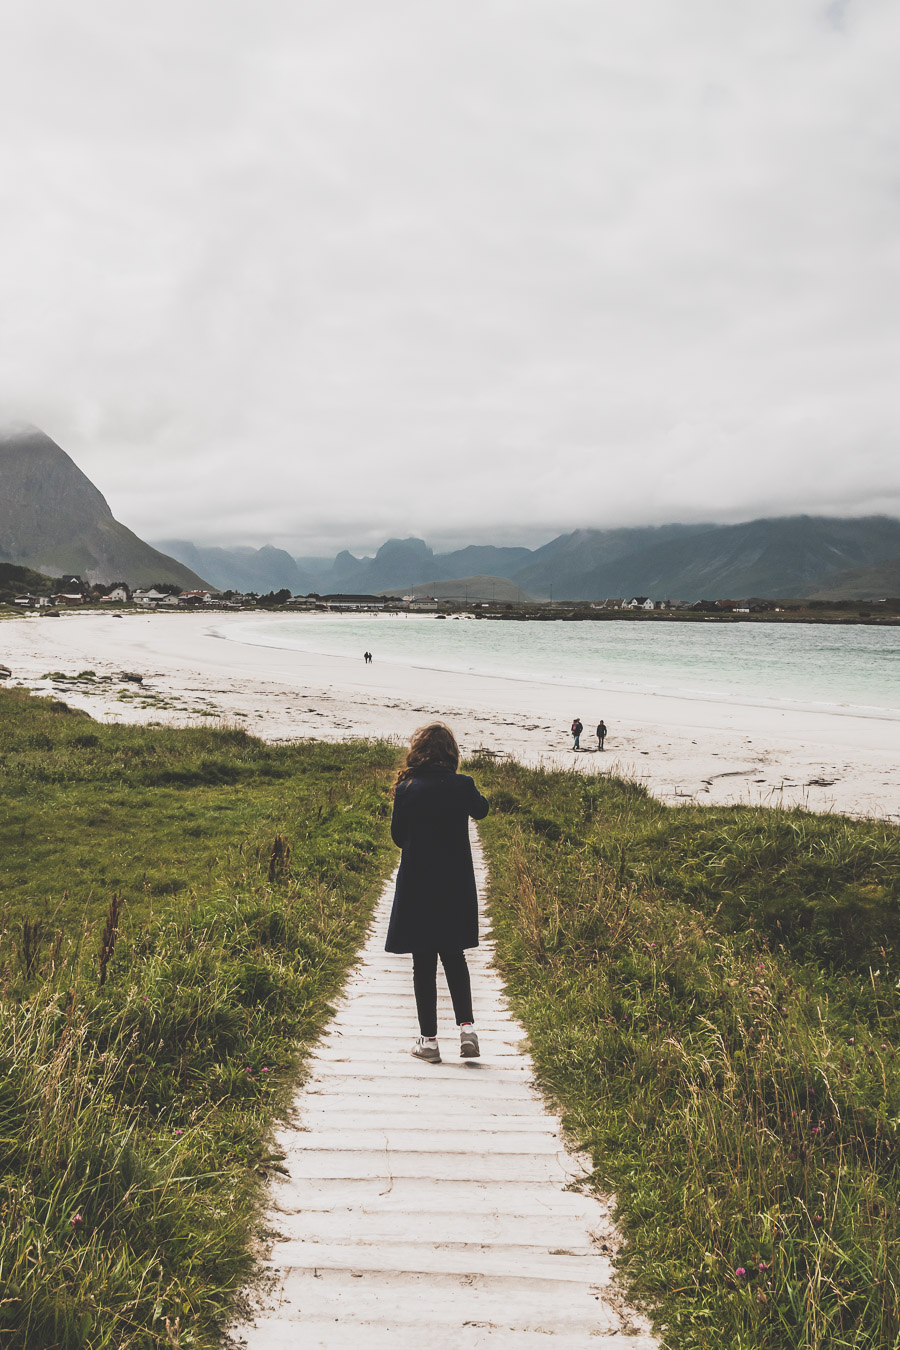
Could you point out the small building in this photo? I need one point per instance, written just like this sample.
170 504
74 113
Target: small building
68 598
638 602
354 602
200 598
150 597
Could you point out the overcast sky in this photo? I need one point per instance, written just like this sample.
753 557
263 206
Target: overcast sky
317 272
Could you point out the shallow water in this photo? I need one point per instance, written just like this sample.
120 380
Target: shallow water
853 669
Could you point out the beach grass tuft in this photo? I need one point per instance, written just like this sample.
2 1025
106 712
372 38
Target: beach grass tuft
711 995
162 966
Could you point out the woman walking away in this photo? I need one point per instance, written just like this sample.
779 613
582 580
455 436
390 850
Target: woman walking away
435 912
577 729
601 733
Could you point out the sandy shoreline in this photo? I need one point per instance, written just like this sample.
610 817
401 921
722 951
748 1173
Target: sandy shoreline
682 749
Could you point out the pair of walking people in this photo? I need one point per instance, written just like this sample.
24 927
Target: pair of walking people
435 910
578 727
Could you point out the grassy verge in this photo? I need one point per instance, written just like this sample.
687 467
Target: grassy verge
178 908
712 996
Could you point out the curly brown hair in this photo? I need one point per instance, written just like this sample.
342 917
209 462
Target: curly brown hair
431 747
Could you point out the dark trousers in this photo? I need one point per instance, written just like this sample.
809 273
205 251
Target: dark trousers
425 986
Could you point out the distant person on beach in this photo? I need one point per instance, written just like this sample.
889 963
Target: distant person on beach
577 729
435 911
601 733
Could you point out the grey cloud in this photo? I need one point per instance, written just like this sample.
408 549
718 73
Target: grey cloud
319 274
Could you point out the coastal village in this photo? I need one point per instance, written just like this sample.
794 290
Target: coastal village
74 593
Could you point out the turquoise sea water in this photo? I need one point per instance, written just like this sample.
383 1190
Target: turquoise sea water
851 669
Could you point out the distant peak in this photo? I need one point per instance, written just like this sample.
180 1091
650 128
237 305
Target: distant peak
412 545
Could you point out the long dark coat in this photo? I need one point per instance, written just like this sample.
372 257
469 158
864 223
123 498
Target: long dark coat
435 902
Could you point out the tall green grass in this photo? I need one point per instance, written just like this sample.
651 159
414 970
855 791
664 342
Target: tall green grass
178 909
712 996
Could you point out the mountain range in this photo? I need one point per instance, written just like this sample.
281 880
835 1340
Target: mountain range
54 520
789 556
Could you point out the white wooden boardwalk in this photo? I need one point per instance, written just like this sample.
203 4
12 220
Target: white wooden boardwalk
427 1205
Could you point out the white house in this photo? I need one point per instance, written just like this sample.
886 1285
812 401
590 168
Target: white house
151 597
199 597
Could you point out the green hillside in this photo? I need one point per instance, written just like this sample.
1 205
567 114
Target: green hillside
879 582
477 588
22 580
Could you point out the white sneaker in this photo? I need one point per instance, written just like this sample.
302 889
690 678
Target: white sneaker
427 1050
468 1043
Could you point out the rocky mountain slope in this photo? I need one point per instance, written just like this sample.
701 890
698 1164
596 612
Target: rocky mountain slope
787 556
54 520
259 570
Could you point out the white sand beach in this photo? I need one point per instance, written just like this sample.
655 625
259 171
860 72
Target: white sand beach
681 749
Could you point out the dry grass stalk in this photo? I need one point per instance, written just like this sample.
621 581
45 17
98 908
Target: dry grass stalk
110 933
32 939
280 859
